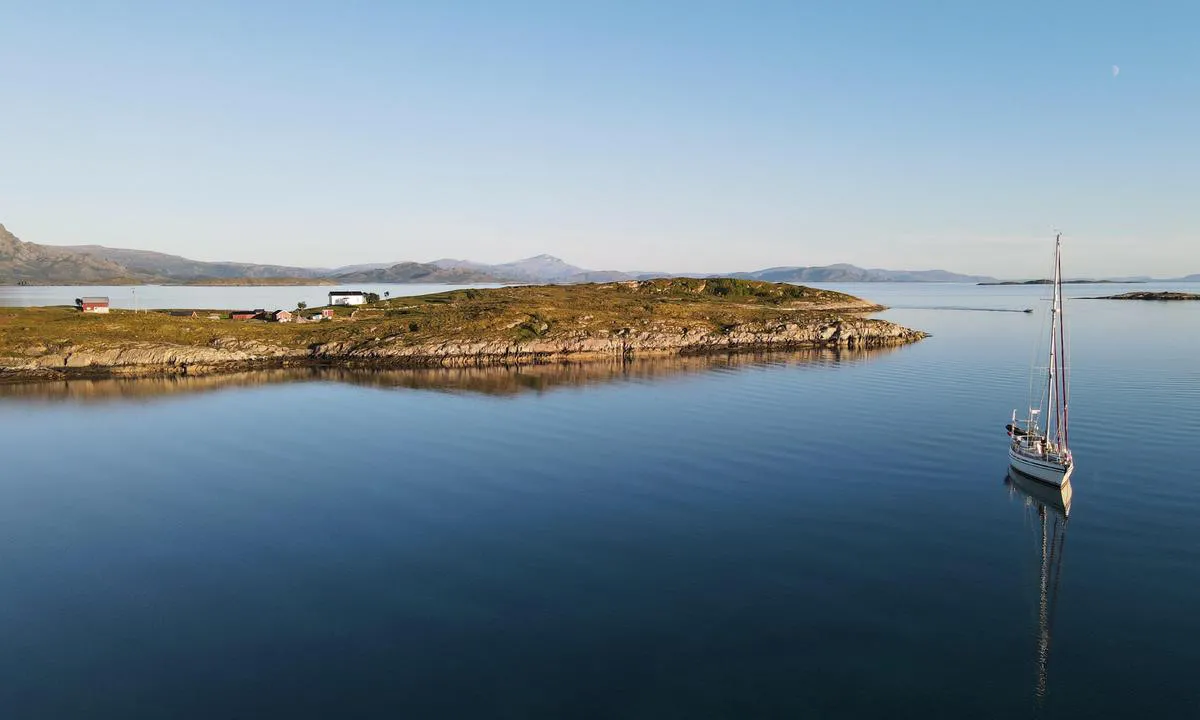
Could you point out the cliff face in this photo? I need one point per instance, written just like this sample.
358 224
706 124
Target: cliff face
230 354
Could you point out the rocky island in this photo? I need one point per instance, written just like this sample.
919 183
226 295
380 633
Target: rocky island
1150 296
501 326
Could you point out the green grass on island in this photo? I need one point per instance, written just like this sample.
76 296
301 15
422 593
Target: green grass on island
512 314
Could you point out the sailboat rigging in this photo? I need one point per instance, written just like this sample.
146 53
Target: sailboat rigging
1044 453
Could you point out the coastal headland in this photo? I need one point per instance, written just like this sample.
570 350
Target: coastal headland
500 326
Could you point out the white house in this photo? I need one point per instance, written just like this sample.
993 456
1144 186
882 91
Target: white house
347 297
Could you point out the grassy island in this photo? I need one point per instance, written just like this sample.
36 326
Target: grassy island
510 325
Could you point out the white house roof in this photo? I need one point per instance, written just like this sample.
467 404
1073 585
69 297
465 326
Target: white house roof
94 300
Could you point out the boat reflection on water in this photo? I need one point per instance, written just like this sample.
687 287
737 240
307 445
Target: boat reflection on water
1050 507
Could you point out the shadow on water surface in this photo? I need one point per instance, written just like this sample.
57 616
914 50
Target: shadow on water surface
487 380
1049 508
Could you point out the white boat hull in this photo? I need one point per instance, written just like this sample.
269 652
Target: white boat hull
1046 471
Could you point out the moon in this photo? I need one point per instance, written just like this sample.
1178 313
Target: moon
1116 70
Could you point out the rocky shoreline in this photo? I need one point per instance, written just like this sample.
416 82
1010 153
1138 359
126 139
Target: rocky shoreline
228 355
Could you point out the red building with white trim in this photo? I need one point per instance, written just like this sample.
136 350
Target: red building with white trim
92 304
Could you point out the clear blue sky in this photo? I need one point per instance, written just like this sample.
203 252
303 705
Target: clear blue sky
688 136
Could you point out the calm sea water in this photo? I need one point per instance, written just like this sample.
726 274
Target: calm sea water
809 535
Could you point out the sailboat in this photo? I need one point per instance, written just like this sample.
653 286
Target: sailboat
1042 453
1052 507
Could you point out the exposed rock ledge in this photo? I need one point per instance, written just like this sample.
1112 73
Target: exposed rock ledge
229 354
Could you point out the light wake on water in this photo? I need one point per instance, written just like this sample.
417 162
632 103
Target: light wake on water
964 309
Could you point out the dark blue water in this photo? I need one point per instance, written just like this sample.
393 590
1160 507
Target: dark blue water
803 536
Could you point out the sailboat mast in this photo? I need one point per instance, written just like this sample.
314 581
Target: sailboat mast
1062 343
1051 385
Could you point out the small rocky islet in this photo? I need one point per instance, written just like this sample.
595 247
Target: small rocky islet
1143 295
500 326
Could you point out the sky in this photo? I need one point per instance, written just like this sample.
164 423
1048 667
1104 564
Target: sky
669 136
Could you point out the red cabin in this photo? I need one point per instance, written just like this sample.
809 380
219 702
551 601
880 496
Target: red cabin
92 304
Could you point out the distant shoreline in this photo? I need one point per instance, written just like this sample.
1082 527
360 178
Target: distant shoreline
1150 296
333 282
1066 282
220 282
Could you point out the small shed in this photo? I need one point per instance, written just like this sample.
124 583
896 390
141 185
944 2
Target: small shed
281 316
244 314
327 313
92 304
347 297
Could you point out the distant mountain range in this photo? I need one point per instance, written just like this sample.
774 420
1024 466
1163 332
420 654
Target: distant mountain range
413 272
538 269
852 273
29 263
26 262
179 268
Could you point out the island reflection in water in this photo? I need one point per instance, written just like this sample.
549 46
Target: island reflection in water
1049 507
488 380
